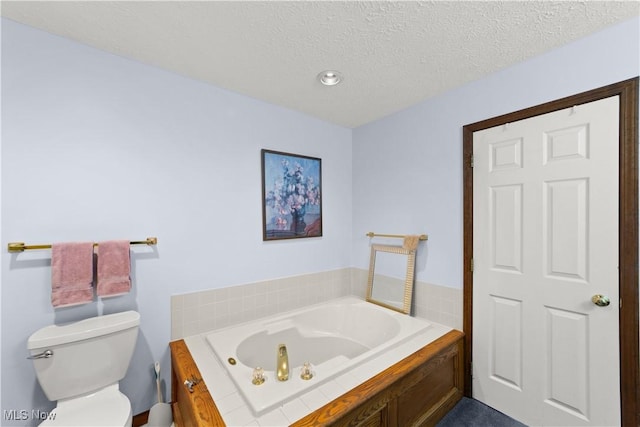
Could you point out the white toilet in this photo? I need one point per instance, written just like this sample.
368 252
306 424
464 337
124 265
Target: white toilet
80 365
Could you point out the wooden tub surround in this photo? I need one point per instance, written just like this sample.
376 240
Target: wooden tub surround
417 391
190 409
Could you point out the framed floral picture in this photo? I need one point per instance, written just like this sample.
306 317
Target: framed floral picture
291 196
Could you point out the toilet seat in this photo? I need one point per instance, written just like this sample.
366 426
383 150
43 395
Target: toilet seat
106 407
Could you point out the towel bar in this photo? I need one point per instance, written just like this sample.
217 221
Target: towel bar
402 236
21 247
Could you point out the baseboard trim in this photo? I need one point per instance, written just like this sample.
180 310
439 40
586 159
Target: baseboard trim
140 419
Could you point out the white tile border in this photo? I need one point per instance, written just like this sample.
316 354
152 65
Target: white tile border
198 312
237 413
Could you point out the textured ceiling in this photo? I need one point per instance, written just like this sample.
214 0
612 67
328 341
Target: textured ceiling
392 54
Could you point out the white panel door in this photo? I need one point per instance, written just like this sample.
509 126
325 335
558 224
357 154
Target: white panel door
545 241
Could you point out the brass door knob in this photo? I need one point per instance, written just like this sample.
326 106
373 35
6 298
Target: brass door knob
600 300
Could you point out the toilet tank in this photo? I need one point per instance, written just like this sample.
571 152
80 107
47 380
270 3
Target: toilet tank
87 355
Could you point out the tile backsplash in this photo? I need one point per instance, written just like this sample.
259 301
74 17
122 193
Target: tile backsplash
437 303
202 311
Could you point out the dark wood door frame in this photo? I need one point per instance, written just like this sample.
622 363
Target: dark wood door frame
628 232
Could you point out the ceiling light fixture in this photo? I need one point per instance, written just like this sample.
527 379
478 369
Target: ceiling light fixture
329 78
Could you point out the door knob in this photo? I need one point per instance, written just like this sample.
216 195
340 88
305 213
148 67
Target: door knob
600 300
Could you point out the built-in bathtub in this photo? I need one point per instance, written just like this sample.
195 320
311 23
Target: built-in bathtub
367 361
333 337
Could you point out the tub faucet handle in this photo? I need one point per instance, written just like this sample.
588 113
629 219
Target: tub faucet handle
282 363
306 373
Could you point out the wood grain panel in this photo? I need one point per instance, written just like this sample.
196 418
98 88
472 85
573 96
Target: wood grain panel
195 409
420 398
357 405
378 419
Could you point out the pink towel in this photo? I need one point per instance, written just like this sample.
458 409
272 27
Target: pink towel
61 298
71 273
114 267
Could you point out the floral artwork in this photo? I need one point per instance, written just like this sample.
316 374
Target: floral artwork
291 197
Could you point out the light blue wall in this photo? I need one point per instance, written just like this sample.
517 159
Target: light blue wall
407 168
97 147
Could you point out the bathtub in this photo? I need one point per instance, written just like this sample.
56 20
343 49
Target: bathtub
333 337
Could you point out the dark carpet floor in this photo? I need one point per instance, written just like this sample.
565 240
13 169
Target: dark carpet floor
470 412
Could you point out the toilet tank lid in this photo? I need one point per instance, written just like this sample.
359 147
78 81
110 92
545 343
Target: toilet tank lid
83 329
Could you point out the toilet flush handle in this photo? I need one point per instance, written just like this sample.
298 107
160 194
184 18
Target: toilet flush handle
44 355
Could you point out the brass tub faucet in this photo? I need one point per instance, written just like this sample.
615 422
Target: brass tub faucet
282 366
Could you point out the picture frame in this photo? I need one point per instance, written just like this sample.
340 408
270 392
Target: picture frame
291 195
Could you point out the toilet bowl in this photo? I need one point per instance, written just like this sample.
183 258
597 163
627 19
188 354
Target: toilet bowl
79 365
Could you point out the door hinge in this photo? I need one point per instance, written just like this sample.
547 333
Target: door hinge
620 303
472 264
471 161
